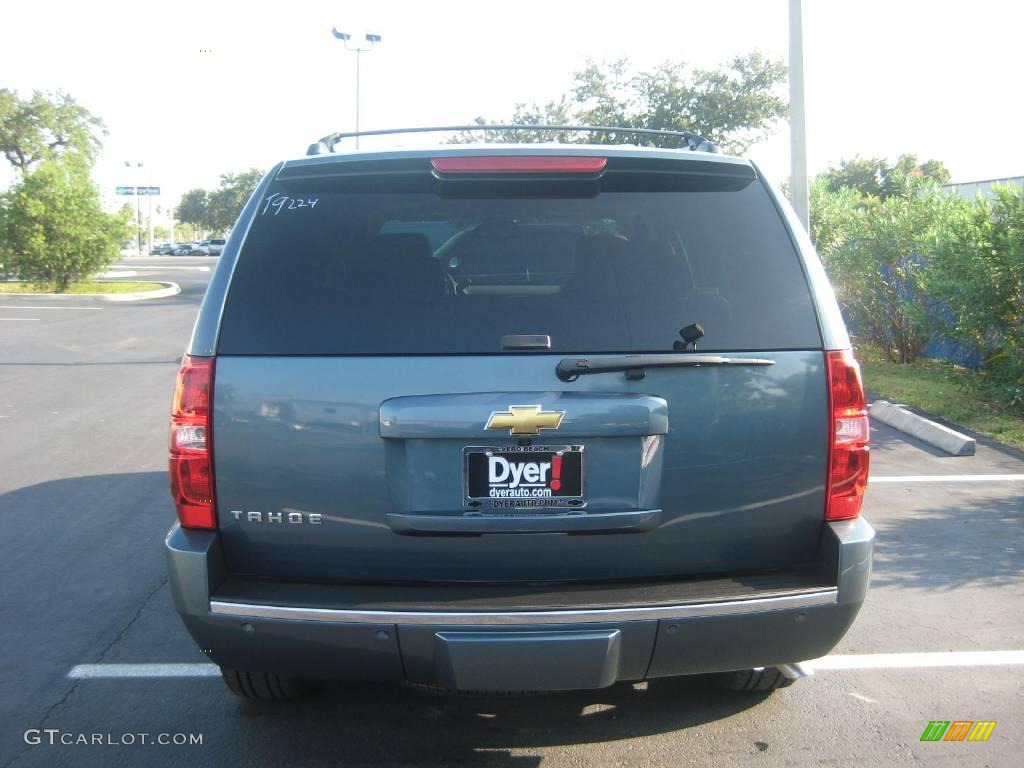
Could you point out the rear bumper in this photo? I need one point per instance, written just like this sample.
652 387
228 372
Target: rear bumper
552 648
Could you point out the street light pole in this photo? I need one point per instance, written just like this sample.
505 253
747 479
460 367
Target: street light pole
797 124
346 39
138 209
149 199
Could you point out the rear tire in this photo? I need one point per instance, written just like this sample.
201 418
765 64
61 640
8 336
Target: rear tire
264 686
753 680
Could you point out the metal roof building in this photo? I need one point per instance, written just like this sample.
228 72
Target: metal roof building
969 189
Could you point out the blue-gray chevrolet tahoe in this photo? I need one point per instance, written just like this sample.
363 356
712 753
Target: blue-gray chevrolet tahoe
518 417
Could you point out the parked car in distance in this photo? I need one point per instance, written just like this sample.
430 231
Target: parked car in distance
534 418
212 247
185 249
162 249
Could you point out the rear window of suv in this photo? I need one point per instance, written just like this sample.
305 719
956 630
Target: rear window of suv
414 273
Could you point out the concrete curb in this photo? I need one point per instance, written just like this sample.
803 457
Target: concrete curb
172 289
936 435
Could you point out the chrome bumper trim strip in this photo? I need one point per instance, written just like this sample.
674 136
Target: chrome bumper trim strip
527 618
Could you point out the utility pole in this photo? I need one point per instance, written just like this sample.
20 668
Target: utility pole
138 207
797 124
149 242
346 38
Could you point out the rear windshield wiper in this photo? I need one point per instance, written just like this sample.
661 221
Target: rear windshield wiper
571 368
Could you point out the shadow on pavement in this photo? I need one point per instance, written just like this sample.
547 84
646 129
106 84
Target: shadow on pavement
980 542
385 724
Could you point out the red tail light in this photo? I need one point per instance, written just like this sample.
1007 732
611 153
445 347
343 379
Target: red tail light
848 451
191 465
519 164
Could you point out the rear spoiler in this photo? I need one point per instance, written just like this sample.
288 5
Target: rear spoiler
678 139
426 171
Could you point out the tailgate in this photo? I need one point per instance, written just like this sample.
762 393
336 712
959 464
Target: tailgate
722 471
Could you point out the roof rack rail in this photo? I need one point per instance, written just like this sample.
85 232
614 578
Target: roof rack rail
693 141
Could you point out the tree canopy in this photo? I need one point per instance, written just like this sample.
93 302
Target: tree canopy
52 226
217 210
193 208
45 127
229 199
879 178
734 105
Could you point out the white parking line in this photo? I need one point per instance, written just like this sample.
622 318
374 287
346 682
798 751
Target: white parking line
942 659
920 660
32 306
19 318
169 268
96 671
948 479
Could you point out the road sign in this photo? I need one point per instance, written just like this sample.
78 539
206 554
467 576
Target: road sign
138 190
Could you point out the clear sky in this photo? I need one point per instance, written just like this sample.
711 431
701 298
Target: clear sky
196 89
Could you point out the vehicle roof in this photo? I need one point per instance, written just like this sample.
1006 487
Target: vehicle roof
495 149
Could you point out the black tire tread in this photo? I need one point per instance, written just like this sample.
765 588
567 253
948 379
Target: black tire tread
263 686
754 680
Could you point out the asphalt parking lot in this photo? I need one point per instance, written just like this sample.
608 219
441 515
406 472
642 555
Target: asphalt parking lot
84 391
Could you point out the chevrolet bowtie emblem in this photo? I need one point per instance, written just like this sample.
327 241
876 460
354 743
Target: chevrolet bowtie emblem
524 419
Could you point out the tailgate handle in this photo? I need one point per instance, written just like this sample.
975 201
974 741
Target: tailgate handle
519 341
634 521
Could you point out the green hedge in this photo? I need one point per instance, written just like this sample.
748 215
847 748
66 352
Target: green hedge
926 263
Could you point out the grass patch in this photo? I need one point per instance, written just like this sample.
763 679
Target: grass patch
88 287
944 390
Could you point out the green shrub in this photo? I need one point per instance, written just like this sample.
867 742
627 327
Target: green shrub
54 227
978 277
878 254
928 262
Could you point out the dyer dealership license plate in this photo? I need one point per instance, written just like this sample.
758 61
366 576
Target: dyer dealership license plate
521 477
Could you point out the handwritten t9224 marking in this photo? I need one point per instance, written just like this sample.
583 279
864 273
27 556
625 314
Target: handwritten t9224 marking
280 202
